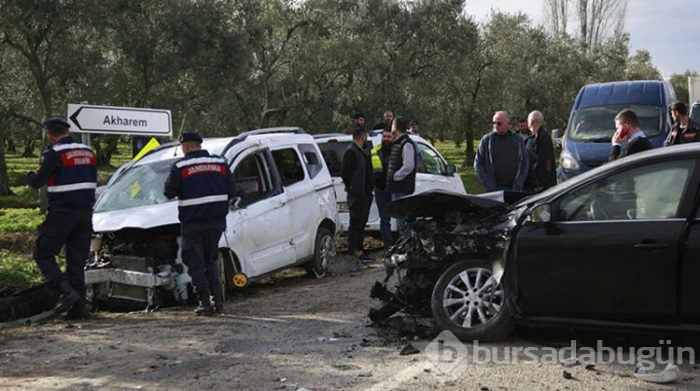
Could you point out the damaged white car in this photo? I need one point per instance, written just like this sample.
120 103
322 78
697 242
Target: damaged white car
285 215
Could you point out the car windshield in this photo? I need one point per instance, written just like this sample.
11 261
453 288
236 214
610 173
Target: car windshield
141 185
597 124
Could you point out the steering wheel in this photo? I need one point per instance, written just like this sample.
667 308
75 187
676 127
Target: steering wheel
596 211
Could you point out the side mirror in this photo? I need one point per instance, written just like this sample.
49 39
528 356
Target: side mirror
451 169
540 214
235 203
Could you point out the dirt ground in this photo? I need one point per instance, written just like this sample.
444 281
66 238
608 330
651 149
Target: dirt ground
294 334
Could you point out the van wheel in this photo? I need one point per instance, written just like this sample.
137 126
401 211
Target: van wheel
469 302
324 250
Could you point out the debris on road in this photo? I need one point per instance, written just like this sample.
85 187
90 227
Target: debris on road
567 375
408 350
669 374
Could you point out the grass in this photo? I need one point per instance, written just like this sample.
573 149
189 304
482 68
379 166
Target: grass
453 155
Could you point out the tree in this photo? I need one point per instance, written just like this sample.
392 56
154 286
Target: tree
640 67
680 85
597 20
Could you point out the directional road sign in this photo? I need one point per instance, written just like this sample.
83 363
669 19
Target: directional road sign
119 120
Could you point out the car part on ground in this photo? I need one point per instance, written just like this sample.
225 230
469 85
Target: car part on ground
27 306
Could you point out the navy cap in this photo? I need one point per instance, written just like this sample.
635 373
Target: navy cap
52 121
190 136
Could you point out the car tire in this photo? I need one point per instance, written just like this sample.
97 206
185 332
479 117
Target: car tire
472 309
324 250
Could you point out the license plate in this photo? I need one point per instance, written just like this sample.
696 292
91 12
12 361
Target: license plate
343 207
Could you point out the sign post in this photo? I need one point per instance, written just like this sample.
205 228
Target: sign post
119 120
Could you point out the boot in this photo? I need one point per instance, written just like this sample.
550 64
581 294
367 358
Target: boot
205 308
69 297
218 301
78 312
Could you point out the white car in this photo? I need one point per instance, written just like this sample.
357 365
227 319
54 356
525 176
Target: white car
285 215
433 172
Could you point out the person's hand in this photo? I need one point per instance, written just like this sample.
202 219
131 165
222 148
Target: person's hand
617 138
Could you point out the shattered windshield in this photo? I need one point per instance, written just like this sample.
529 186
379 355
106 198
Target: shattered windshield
597 124
139 186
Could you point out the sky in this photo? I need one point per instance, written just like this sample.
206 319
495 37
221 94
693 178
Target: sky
662 27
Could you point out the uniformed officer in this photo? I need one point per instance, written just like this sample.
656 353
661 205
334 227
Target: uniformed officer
68 169
203 185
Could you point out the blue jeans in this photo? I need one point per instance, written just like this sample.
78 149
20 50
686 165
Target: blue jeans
382 197
404 226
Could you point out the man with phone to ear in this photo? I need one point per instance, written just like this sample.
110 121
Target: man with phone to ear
628 138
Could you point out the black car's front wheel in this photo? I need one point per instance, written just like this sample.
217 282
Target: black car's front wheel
469 302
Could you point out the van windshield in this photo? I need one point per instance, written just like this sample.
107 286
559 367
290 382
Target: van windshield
597 124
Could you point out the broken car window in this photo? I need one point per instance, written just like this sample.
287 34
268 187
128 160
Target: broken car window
252 181
138 186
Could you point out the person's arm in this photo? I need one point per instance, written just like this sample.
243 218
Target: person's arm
347 168
49 162
172 184
523 166
408 154
480 161
231 185
546 164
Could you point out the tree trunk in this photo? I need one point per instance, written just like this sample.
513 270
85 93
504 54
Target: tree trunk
28 147
4 179
105 150
11 147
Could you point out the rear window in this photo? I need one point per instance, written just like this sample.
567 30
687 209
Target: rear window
333 151
597 124
695 113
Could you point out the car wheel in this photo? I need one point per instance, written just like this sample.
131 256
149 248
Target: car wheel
468 302
324 250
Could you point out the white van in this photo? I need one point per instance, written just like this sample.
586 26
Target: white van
285 215
433 172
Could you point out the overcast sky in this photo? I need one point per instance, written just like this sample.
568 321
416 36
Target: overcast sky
668 29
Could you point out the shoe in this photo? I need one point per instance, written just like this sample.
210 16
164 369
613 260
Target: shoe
204 309
69 297
218 303
364 258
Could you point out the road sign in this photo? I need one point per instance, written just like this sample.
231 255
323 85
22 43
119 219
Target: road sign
119 120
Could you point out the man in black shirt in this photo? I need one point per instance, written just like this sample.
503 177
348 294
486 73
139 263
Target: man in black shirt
358 179
684 129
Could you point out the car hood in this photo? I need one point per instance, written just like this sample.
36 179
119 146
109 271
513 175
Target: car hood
438 203
589 151
144 217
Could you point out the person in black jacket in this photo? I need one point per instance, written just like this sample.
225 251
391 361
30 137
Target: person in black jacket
684 129
357 176
401 173
628 138
539 146
203 185
69 171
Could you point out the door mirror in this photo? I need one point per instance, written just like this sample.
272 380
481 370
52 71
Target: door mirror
450 169
235 203
540 214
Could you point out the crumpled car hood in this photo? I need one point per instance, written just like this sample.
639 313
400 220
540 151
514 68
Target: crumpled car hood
142 217
438 203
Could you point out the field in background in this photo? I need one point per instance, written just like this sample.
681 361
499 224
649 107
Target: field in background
19 213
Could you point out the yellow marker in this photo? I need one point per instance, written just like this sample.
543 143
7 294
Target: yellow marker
240 280
135 189
152 144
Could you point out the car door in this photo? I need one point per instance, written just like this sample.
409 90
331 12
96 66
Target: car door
689 292
300 198
432 172
611 251
258 229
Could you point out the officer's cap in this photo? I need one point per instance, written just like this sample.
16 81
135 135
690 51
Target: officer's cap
190 136
53 121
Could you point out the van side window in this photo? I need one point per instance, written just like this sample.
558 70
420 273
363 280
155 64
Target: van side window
252 179
289 166
429 161
311 159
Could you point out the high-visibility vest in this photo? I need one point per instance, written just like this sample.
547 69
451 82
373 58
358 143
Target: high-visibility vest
376 160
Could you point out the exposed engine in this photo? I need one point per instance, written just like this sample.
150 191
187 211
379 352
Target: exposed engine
137 267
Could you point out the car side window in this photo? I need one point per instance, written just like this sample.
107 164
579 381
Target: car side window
252 179
288 165
429 162
650 192
313 163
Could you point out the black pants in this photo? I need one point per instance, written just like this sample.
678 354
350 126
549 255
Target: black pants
358 206
69 227
199 252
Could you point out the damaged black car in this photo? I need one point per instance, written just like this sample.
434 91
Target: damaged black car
616 247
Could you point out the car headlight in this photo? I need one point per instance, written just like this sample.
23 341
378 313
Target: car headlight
569 162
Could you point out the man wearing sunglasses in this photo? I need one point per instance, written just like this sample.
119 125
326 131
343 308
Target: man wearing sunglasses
501 161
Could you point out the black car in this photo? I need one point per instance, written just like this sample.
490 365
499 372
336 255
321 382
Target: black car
617 247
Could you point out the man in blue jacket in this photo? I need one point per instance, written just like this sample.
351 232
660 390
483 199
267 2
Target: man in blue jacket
501 161
69 172
203 185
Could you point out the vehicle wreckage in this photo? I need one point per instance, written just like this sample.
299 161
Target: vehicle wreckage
448 229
